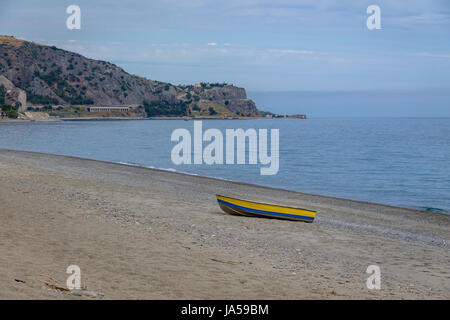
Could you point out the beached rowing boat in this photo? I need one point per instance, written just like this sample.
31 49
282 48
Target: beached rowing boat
258 209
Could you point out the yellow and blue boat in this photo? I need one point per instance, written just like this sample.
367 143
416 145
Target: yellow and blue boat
258 209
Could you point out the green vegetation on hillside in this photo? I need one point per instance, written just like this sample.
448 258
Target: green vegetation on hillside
63 89
212 111
2 95
212 85
38 99
11 111
164 108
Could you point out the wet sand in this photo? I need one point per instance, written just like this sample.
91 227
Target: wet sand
139 233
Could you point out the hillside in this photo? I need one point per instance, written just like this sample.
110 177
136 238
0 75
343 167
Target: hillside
52 76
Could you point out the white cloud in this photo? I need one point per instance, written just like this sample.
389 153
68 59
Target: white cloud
194 54
299 52
434 55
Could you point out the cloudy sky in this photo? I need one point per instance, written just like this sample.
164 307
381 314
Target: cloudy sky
283 45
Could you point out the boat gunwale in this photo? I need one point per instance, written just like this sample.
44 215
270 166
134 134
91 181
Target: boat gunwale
273 215
270 204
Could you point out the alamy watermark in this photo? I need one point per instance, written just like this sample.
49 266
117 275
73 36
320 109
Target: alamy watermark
235 147
374 280
74 20
374 20
74 280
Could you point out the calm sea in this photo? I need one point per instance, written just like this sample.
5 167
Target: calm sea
397 161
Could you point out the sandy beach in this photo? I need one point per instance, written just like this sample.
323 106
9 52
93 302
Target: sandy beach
139 233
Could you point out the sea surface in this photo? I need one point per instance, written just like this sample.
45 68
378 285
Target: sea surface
397 161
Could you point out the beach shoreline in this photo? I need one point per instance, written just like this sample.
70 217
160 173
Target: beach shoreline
61 119
148 233
249 184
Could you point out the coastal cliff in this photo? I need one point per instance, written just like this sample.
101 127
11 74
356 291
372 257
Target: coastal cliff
56 77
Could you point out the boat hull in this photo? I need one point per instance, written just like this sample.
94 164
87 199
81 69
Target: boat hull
257 209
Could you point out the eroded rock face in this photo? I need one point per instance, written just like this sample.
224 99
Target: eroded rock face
13 94
243 107
234 98
226 92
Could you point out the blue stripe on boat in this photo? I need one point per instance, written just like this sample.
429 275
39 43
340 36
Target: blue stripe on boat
266 212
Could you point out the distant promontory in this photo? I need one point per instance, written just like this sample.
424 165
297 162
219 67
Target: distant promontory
40 78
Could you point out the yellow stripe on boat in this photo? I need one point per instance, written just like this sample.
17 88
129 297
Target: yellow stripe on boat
245 207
